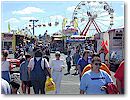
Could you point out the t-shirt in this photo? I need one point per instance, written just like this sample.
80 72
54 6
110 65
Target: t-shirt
57 65
5 65
120 74
24 71
82 63
72 52
76 57
102 67
31 63
92 82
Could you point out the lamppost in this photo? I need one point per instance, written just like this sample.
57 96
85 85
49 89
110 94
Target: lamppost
33 24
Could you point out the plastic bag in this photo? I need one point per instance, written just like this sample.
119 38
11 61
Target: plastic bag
112 89
50 85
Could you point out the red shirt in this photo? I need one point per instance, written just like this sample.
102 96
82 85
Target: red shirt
120 74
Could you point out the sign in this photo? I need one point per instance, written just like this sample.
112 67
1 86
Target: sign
76 38
7 36
69 31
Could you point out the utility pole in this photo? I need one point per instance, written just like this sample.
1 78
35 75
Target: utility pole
33 24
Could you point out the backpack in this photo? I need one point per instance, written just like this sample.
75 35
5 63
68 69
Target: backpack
111 89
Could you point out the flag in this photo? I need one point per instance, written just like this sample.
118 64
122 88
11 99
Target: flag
64 22
104 45
75 23
8 27
105 49
14 42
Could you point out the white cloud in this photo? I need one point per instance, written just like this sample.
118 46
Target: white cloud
93 4
27 18
13 20
71 9
29 10
56 17
14 27
119 18
118 21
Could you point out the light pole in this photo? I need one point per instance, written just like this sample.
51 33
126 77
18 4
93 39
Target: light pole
33 24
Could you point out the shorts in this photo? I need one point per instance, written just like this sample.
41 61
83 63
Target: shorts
27 83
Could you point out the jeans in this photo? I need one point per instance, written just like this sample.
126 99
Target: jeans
68 66
6 76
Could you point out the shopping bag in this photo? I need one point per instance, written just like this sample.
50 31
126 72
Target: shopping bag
50 85
112 89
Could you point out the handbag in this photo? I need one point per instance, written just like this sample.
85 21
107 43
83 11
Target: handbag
50 85
111 89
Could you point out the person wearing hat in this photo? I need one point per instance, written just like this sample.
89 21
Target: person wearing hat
57 66
21 57
38 70
24 74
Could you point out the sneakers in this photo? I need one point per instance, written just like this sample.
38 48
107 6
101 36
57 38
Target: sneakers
67 73
74 74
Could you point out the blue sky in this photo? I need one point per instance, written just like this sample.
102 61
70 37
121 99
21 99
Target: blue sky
19 13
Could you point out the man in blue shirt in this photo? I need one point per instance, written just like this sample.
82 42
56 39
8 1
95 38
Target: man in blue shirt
82 62
76 58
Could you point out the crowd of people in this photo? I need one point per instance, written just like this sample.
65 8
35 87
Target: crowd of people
93 71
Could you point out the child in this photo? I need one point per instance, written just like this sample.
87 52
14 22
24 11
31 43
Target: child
68 62
14 87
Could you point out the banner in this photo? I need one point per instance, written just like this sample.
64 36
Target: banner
14 42
8 27
75 23
64 22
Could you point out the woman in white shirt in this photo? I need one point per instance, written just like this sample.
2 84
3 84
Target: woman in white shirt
57 65
5 66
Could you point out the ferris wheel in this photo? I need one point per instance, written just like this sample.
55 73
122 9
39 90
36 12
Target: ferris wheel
93 17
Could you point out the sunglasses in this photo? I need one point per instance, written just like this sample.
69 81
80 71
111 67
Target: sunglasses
98 64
